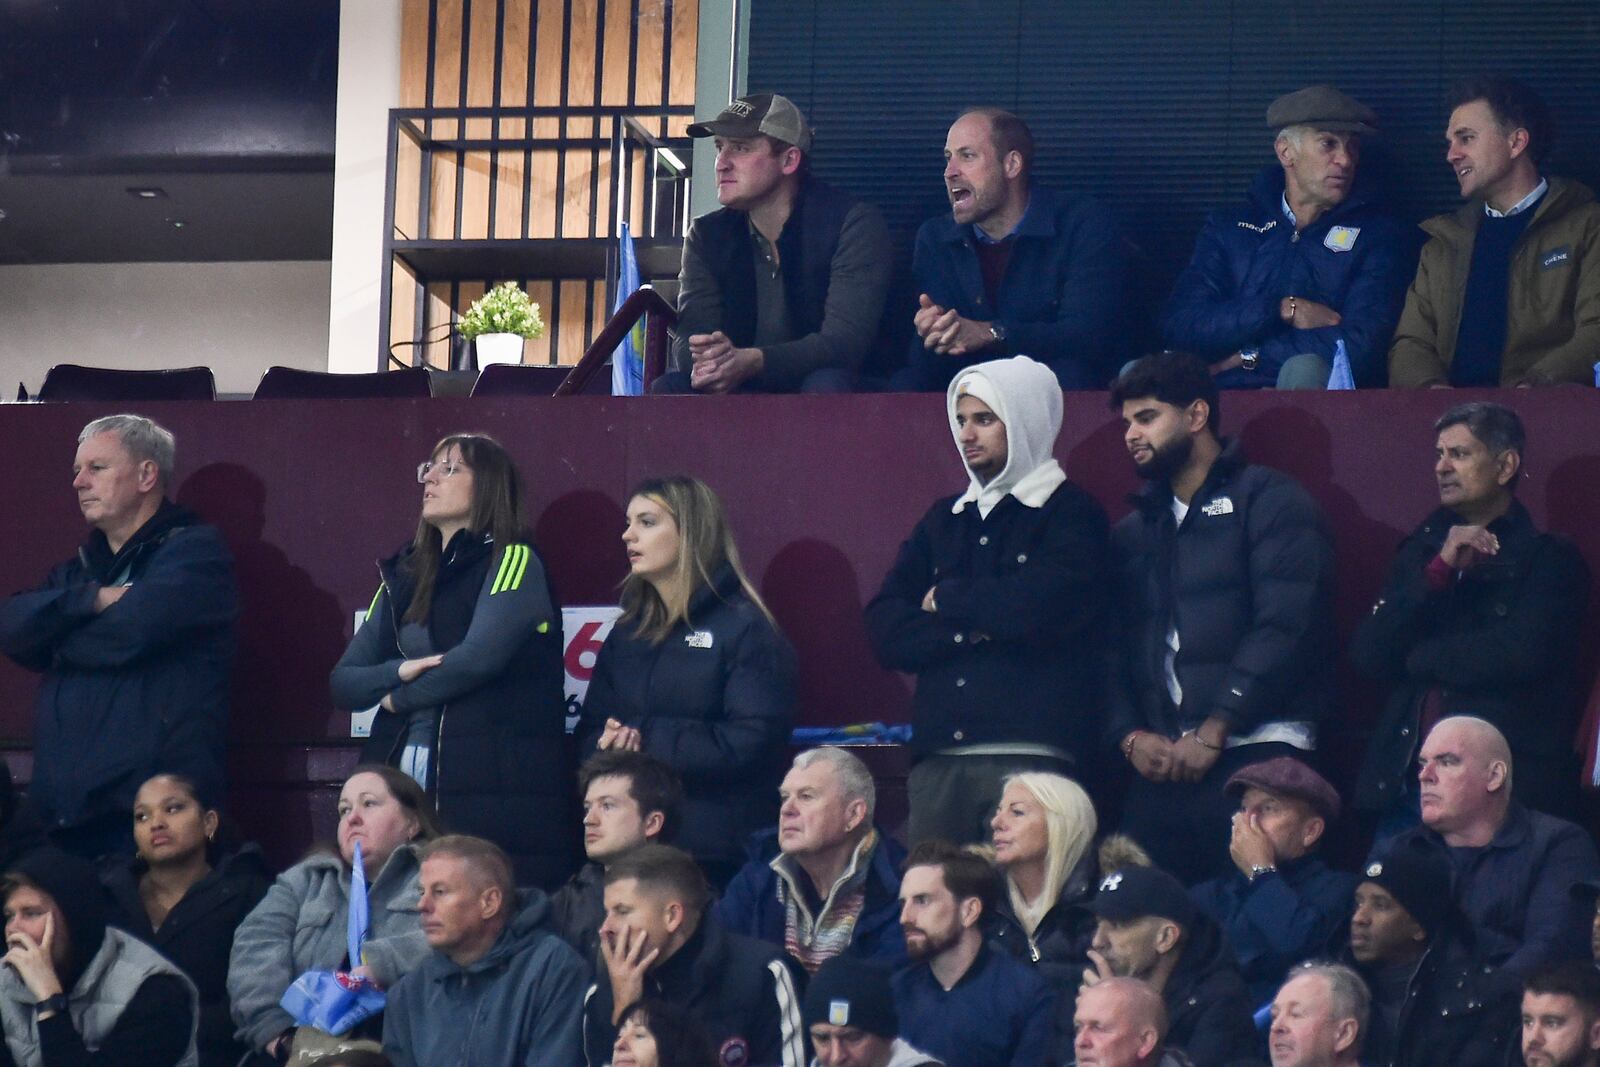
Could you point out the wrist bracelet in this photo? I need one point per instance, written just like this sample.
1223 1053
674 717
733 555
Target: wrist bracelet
1203 742
1127 744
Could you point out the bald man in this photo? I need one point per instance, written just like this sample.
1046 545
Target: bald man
1121 1022
1514 868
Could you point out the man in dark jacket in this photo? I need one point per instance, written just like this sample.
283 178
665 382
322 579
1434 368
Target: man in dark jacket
1514 868
782 289
629 799
1014 269
1561 1018
1309 260
135 639
658 941
1227 648
1433 1001
1281 903
1150 929
500 988
1480 615
959 998
995 603
833 888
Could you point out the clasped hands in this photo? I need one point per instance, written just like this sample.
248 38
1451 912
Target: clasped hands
946 333
718 366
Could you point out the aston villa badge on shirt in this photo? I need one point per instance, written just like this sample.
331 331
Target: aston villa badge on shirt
698 639
1341 238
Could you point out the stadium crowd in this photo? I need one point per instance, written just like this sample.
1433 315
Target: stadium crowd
1117 804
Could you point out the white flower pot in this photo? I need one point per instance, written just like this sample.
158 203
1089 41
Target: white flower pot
498 348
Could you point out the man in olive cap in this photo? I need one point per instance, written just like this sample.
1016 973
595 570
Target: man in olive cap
1310 259
782 290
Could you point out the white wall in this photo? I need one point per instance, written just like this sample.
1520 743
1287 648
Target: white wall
236 318
369 85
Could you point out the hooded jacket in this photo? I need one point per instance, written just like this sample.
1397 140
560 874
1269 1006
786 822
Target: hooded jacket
1355 258
1552 301
1248 577
738 989
1021 569
502 765
300 926
714 701
521 1003
197 934
1208 1006
138 688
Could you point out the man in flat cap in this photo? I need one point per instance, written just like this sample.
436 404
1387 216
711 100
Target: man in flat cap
1149 929
1282 903
1432 1000
1310 259
1014 269
782 289
1508 290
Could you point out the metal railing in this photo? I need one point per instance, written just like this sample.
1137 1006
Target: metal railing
644 302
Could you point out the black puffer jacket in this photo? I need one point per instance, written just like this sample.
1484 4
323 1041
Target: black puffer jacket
1021 598
1249 579
1500 643
1208 1006
503 766
1059 947
197 934
715 702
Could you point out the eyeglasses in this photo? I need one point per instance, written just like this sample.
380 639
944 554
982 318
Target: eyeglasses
446 468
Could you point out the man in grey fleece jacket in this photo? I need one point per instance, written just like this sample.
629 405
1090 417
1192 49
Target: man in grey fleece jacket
500 988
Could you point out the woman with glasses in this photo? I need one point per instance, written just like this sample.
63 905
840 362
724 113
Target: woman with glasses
462 652
695 672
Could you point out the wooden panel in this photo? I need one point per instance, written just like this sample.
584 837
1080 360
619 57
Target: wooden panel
538 349
436 353
402 312
615 49
574 297
552 42
605 219
581 48
483 19
475 196
576 166
542 192
448 16
442 196
510 187
408 187
414 53
514 65
685 41
652 38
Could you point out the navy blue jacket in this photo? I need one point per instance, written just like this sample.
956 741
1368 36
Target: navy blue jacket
1059 302
1250 257
1279 919
715 702
750 904
1035 582
1516 891
998 1014
138 688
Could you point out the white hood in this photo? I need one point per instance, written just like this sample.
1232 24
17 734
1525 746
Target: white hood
1026 396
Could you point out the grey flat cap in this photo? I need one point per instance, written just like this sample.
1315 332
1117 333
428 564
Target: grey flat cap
1323 107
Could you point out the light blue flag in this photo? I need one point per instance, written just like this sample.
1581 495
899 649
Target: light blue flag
627 362
1342 376
359 915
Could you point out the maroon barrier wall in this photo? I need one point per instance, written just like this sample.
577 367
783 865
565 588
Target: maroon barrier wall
820 491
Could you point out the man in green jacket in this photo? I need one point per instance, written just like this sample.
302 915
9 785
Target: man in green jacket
1508 289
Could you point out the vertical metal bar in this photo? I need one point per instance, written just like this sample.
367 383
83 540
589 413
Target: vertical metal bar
588 313
461 102
599 83
555 320
527 153
433 56
386 275
667 16
561 156
633 51
499 100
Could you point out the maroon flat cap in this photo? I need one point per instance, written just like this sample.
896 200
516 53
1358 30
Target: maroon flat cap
1288 777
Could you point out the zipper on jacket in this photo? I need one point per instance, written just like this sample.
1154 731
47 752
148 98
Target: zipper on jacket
1033 948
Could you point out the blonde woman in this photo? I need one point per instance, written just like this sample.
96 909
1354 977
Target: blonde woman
695 673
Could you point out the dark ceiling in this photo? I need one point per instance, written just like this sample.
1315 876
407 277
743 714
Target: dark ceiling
227 106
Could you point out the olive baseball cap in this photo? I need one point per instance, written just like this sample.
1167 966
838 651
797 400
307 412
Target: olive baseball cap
1322 107
764 113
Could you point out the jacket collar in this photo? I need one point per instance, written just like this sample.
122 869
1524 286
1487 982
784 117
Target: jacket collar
96 554
1564 195
1268 189
524 926
855 872
1155 499
1038 221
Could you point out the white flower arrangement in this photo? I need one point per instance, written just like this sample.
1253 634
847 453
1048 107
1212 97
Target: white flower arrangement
503 309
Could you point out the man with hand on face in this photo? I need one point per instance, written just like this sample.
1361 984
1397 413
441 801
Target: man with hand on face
849 1013
1319 1018
963 1001
1480 615
1514 868
500 988
1561 1018
629 799
1310 260
1015 268
1432 1001
1281 903
782 290
1226 652
1508 289
657 941
134 637
1121 1022
1149 929
996 603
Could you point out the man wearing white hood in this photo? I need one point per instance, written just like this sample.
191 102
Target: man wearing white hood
995 604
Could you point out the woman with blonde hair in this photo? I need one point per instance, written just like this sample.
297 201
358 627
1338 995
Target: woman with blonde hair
695 672
1044 831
